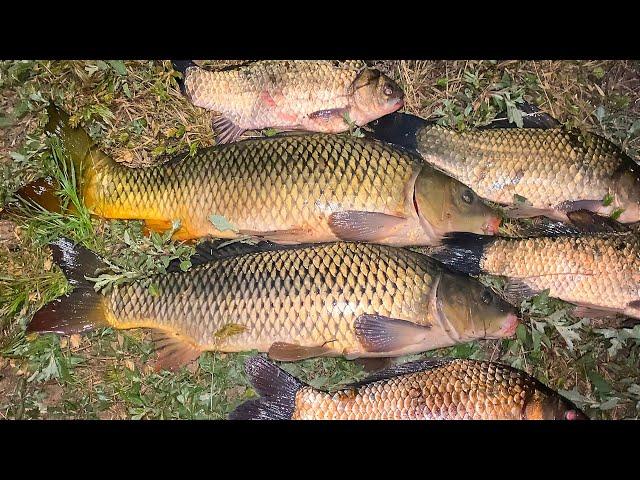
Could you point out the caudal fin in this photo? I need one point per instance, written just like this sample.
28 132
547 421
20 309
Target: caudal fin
182 66
77 147
398 128
462 251
277 391
81 310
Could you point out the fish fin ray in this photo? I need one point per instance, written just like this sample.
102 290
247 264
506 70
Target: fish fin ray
398 129
402 369
291 352
377 333
374 364
174 350
81 310
277 390
359 226
516 290
594 311
462 251
527 211
329 114
226 130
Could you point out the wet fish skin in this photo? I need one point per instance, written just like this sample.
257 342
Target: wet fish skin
433 389
600 271
294 94
551 168
304 302
287 189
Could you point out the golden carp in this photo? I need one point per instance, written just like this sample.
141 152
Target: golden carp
288 189
317 96
351 299
599 272
554 170
433 389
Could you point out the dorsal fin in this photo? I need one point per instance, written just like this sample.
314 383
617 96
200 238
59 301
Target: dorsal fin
212 250
532 117
403 369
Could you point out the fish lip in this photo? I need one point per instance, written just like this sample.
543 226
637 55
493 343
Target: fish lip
510 325
492 226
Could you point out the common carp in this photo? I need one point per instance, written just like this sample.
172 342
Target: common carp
317 96
290 189
351 299
433 389
536 171
598 272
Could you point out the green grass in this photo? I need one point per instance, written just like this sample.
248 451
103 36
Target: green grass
137 115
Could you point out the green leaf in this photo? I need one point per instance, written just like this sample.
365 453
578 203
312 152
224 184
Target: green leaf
222 224
118 66
615 215
125 89
607 200
185 265
154 290
599 383
229 330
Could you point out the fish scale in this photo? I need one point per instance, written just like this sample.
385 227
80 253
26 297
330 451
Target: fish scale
601 269
245 181
236 93
532 163
299 296
458 389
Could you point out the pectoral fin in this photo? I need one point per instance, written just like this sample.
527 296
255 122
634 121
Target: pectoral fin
174 350
590 311
516 290
358 226
328 115
378 333
291 352
226 130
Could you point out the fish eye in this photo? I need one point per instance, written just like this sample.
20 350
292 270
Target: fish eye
486 296
388 90
467 195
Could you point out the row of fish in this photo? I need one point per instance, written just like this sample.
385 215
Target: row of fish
332 279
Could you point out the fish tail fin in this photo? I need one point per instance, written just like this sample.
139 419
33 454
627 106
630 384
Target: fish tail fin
399 129
462 251
277 391
77 148
182 66
81 310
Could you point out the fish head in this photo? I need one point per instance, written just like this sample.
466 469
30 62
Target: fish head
473 310
545 404
446 205
374 95
627 194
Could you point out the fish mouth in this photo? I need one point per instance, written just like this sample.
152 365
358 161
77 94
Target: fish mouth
492 226
509 326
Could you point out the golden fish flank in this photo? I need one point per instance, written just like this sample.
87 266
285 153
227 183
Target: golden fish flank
290 189
433 389
317 96
555 170
349 299
598 272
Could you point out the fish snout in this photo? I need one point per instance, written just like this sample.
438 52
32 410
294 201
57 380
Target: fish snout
492 226
509 326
